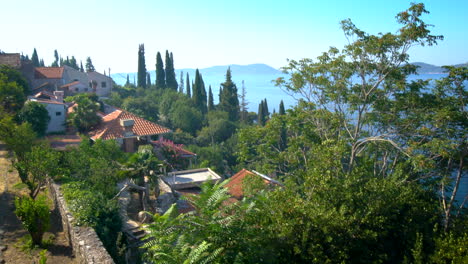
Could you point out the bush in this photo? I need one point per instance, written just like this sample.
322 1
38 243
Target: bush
35 216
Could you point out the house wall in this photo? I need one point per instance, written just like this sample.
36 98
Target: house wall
71 75
103 91
54 84
57 122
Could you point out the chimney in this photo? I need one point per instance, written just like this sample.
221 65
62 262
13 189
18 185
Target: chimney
127 125
58 96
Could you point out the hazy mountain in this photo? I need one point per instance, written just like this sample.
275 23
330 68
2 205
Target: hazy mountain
425 68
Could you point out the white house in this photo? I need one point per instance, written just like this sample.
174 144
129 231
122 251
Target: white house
56 108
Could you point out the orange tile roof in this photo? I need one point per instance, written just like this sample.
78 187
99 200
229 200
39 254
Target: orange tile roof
48 72
178 148
69 84
110 127
235 183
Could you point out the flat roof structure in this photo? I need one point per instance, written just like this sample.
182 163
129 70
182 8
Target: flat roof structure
191 178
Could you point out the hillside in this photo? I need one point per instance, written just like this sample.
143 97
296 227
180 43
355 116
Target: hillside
425 68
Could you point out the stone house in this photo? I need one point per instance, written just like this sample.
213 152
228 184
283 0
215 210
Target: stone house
100 83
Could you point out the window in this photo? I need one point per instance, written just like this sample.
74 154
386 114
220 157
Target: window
58 113
90 85
76 89
75 80
86 89
103 84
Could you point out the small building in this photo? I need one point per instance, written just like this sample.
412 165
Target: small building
187 179
56 108
127 129
75 87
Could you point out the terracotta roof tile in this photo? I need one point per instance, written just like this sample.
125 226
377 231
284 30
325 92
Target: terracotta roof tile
48 72
178 148
110 127
235 184
70 84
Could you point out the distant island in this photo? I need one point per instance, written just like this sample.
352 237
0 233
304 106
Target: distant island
425 68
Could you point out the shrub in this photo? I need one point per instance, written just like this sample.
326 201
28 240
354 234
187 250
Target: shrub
35 216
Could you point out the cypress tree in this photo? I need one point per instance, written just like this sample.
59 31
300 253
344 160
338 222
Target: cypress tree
73 63
228 99
196 91
266 113
210 100
56 62
41 62
243 104
128 81
171 81
160 75
203 104
187 83
281 108
148 80
141 66
181 82
35 59
81 66
89 65
260 115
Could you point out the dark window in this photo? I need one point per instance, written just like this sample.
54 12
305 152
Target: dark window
75 80
58 113
76 89
86 89
103 84
90 85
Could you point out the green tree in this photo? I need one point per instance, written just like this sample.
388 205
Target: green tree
56 61
34 215
187 84
160 74
141 66
81 66
73 63
281 108
85 115
35 59
128 81
37 115
148 79
89 65
171 81
261 114
210 100
199 93
181 82
12 95
228 98
243 104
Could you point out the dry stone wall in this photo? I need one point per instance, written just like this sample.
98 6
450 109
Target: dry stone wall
87 246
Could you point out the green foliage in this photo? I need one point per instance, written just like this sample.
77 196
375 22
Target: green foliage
219 129
36 165
35 59
37 115
141 66
451 248
43 257
160 74
85 115
34 215
171 81
89 65
228 98
14 75
12 94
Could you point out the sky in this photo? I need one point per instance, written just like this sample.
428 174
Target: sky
206 33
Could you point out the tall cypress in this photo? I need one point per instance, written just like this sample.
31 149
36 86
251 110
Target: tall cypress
35 59
210 100
266 113
89 65
160 75
128 81
73 63
171 81
148 80
196 94
141 66
187 84
203 104
281 108
56 61
181 82
41 63
228 99
260 115
81 66
243 104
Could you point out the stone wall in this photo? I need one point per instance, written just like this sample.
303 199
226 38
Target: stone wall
87 246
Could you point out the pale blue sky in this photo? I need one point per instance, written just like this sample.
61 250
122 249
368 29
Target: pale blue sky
205 33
